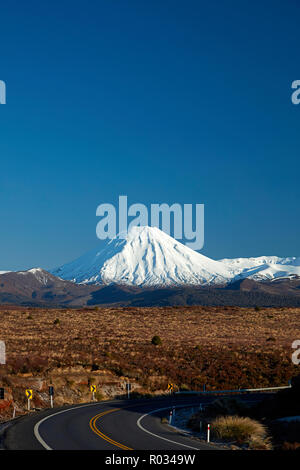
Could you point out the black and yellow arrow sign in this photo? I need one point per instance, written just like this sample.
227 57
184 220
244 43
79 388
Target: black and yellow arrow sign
29 394
93 388
170 387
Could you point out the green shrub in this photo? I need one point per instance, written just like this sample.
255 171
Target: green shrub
156 340
56 321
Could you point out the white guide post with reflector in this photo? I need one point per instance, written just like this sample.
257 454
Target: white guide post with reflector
208 432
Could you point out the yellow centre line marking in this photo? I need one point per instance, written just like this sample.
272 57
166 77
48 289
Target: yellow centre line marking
103 436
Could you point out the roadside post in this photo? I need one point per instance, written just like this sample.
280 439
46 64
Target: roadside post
2 349
14 413
208 433
93 389
1 393
170 417
29 395
128 388
51 394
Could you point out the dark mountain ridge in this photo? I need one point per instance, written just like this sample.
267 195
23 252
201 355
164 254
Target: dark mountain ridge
37 287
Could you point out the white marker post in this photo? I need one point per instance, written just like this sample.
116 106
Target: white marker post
14 412
28 404
2 353
170 418
208 433
51 393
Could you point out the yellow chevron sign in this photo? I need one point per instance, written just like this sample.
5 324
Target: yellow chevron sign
29 394
170 387
93 388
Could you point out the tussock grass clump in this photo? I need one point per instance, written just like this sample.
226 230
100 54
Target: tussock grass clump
259 443
241 430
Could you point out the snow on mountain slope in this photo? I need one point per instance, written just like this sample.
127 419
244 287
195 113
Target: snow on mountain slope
272 271
146 257
149 257
263 267
42 276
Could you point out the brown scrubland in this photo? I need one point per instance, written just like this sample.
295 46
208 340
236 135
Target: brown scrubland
220 347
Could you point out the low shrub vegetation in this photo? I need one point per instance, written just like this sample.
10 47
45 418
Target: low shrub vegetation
242 430
156 340
220 347
228 406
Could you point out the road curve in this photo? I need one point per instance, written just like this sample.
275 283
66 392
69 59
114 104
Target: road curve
109 425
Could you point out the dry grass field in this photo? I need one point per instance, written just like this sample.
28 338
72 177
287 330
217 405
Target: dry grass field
222 347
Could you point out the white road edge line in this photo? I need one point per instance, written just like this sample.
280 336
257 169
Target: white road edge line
156 435
47 447
37 425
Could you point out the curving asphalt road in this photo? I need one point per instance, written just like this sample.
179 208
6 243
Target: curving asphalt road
110 425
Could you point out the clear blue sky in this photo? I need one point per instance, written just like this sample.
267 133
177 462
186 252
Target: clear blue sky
165 101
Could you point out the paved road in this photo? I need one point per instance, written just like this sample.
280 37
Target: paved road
112 425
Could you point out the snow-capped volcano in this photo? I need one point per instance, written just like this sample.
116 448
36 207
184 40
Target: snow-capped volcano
146 257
